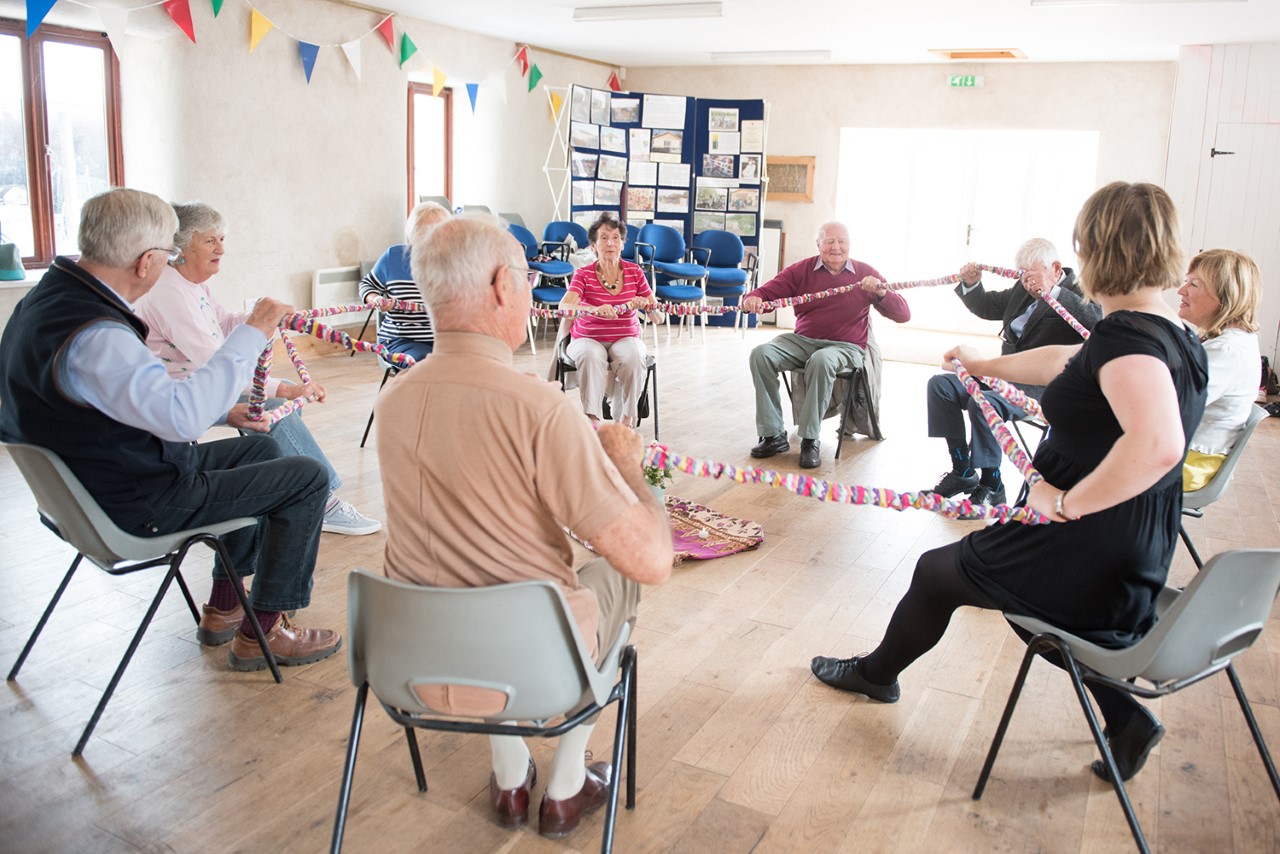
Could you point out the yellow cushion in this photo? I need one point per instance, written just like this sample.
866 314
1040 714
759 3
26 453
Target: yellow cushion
1199 469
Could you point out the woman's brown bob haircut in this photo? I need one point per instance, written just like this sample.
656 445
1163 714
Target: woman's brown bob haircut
1127 239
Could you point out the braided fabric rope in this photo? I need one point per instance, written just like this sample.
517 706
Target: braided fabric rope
1013 394
1003 435
1066 315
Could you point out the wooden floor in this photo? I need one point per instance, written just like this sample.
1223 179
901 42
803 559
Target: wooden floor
740 749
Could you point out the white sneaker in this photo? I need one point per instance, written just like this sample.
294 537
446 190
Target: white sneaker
342 518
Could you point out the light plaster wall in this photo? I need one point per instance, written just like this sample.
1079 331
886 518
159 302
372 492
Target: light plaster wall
1128 103
312 176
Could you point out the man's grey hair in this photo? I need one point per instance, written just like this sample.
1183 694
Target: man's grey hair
423 216
194 217
454 262
1037 249
828 226
118 225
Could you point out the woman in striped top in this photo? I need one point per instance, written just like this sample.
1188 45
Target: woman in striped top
403 331
610 335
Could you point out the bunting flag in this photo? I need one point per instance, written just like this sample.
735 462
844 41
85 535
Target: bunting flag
473 89
614 83
534 76
115 21
523 58
36 10
407 48
437 82
388 31
259 26
180 11
352 50
308 53
217 7
556 103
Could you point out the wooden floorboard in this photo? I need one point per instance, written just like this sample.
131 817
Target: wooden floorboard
740 749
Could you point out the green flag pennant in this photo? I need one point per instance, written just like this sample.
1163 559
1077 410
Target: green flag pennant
535 74
217 7
407 48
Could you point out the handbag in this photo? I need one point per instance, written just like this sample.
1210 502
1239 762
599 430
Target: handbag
11 262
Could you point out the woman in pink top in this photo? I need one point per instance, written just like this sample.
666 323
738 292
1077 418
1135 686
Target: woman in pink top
616 289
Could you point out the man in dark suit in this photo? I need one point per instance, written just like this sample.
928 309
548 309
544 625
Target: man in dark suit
1027 322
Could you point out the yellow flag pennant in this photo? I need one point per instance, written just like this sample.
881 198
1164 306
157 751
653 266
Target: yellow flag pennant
259 26
556 103
437 81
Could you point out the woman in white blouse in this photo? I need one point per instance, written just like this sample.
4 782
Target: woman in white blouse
1220 298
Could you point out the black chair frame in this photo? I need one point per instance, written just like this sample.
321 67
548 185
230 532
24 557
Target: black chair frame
390 372
624 694
565 367
856 381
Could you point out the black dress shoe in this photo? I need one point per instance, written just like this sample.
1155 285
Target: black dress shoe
843 673
1132 745
985 494
953 483
810 455
770 445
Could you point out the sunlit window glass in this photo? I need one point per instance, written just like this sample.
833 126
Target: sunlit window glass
79 162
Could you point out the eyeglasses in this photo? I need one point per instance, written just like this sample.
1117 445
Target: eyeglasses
523 271
173 253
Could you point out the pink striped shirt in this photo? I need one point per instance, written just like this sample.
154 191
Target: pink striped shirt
586 284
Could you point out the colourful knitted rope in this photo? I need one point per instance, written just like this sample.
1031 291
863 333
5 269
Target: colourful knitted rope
309 326
952 279
1013 394
258 392
1003 435
1066 315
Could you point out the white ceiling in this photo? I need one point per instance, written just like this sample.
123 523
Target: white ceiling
865 31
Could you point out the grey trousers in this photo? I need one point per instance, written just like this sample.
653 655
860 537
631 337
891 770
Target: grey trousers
819 360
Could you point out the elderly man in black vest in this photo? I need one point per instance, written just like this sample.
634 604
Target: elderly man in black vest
1027 322
76 377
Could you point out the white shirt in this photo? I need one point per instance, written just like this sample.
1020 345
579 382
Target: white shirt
1235 367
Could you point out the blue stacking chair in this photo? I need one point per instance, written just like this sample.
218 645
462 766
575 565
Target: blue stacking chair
629 246
661 251
556 236
555 270
726 277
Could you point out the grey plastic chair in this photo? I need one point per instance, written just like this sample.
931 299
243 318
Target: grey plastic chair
71 512
1198 632
1193 503
513 217
518 639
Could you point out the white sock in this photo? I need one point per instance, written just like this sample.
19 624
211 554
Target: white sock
331 503
510 760
568 772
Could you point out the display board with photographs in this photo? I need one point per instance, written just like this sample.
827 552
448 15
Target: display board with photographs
728 164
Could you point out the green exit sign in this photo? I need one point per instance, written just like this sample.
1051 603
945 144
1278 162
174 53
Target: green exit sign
964 81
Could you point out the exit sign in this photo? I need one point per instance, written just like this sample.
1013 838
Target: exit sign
964 81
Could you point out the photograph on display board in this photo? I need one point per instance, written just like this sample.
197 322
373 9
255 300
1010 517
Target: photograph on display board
608 193
722 119
707 222
640 198
580 109
753 135
674 174
749 168
612 168
664 111
639 143
723 143
613 139
744 199
644 173
584 136
599 107
586 219
582 165
743 225
673 201
718 165
666 144
626 111
583 193
711 199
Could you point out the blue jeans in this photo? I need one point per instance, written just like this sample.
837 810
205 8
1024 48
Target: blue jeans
418 350
948 400
296 440
249 476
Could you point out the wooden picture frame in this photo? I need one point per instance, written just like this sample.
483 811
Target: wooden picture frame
789 179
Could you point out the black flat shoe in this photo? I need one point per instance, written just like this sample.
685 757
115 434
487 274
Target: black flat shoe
843 673
1132 745
770 445
810 453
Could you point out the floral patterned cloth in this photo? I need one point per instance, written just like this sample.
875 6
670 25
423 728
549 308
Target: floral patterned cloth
700 533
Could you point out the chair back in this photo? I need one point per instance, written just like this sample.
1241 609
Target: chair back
629 246
442 201
560 231
518 639
726 249
667 243
1213 490
526 238
476 209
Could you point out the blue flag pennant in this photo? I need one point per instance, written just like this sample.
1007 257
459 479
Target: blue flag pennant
472 90
308 53
36 10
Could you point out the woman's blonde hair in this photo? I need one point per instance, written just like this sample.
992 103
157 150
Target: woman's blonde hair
1126 237
1235 280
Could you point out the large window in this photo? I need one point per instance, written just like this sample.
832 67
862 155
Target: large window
59 134
430 142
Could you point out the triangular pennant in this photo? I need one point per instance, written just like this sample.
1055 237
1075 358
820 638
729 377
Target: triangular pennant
387 29
217 7
523 58
115 20
473 89
259 26
180 11
352 50
535 74
556 103
614 83
407 48
308 53
36 10
437 82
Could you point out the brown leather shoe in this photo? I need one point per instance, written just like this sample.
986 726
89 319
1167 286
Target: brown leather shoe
560 818
290 645
218 627
512 805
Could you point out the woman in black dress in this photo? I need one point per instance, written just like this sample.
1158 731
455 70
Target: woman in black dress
1123 407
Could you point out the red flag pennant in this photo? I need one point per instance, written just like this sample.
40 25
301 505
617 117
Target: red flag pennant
614 83
523 58
387 30
180 11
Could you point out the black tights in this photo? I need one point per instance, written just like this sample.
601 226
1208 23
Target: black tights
921 618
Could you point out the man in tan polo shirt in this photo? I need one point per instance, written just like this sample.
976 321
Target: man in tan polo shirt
483 467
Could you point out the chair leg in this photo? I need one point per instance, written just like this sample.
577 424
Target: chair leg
44 618
846 412
1247 709
368 316
631 728
654 371
873 417
386 375
416 757
998 738
216 544
625 712
348 770
186 594
1195 555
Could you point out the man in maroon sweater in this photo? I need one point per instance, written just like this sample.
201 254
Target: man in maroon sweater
830 337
